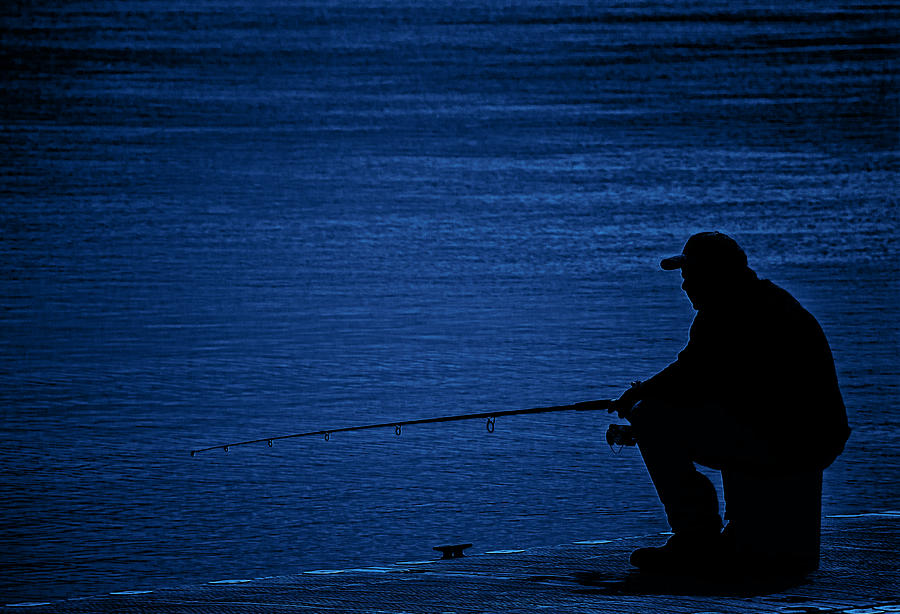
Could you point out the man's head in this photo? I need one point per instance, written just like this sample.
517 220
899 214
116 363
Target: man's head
712 265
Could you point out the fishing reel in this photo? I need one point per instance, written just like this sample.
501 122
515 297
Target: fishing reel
620 435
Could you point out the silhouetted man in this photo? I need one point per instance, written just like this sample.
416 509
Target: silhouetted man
754 390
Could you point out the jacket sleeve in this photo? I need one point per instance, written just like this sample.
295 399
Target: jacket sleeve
678 382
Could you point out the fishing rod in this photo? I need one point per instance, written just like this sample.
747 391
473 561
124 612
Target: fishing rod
490 416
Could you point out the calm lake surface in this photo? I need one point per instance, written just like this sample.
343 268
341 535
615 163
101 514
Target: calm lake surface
242 220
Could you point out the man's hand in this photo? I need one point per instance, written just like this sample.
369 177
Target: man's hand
624 403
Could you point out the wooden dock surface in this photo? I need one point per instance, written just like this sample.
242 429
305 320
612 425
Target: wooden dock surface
858 575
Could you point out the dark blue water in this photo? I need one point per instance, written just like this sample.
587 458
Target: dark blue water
243 220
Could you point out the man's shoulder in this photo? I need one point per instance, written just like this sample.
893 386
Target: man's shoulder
770 292
777 300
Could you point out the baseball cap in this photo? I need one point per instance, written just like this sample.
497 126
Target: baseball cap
708 250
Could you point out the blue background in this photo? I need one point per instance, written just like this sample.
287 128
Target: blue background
225 221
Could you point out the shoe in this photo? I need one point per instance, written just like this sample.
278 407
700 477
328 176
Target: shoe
683 554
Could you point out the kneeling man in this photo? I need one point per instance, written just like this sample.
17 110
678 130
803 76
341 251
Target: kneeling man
754 391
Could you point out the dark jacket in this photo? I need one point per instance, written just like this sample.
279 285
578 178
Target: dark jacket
764 357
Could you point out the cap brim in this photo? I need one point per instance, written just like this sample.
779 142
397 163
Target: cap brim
675 262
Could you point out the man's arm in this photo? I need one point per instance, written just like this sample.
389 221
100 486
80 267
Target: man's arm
673 382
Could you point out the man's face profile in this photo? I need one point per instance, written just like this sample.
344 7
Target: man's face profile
698 285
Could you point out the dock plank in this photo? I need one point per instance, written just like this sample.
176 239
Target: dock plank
858 575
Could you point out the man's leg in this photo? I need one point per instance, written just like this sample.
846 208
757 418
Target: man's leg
664 437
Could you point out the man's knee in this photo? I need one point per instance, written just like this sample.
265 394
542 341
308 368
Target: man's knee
663 425
651 418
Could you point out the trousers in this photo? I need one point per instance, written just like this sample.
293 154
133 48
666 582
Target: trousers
673 439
